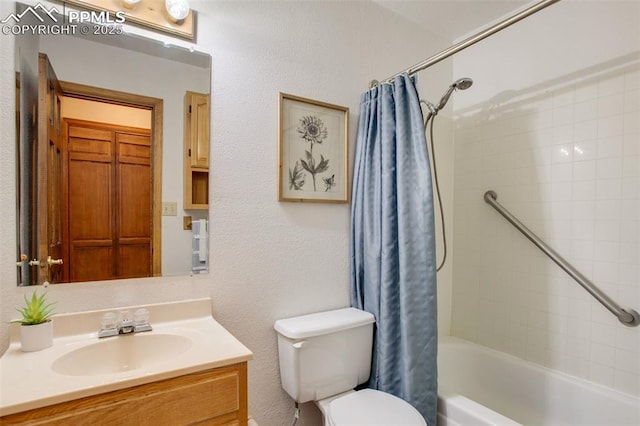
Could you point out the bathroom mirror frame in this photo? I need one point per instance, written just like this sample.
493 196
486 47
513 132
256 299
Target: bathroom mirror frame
137 45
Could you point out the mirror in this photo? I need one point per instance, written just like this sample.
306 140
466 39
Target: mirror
101 157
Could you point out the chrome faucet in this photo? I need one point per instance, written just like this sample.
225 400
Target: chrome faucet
110 326
126 325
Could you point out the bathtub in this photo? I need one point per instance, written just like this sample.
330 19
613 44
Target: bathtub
481 386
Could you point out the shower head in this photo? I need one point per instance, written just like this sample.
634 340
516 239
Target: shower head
462 84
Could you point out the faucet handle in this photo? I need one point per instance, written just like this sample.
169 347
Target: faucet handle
141 316
108 325
109 320
141 320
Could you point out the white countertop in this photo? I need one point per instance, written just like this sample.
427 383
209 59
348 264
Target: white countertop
27 380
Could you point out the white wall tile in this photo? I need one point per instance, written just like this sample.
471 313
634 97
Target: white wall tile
610 126
603 354
601 374
632 80
608 189
611 85
563 116
610 147
586 92
563 134
584 170
610 105
631 166
627 382
630 122
609 168
579 190
584 150
632 100
586 111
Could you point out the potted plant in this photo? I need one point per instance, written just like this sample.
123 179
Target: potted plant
36 330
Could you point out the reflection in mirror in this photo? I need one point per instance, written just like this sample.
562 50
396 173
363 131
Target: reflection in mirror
102 125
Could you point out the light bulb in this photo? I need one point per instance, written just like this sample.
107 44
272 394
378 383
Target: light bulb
177 9
130 4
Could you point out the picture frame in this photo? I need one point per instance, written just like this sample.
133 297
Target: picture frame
313 151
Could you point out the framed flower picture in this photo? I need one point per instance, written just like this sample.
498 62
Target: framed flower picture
313 151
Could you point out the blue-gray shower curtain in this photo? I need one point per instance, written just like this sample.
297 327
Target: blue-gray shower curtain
393 271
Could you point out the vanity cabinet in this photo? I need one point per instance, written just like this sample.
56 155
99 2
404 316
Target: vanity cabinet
212 397
196 150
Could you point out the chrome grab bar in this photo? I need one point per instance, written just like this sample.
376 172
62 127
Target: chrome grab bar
626 316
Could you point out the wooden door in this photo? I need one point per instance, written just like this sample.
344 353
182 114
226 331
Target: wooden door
51 175
110 187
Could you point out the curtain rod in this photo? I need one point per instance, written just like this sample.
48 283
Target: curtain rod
469 41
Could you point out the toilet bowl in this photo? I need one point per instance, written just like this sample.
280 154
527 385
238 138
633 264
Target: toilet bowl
324 357
369 407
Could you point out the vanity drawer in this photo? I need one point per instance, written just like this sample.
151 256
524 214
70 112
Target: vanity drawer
212 397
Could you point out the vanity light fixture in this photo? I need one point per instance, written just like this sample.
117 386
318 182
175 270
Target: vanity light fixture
177 10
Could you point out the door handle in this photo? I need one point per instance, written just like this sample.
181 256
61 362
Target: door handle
23 259
51 261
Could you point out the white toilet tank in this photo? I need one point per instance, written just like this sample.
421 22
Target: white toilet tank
325 353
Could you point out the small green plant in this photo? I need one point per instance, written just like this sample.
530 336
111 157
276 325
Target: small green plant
36 310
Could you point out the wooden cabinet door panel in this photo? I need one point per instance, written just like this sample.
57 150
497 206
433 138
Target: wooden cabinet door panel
134 149
134 209
134 260
198 112
91 262
90 200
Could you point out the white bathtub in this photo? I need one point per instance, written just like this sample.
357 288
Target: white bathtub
481 386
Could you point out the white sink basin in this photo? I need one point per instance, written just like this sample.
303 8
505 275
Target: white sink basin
122 353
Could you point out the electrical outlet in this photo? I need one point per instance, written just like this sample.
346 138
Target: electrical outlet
169 208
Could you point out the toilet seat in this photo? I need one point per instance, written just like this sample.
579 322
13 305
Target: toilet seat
372 407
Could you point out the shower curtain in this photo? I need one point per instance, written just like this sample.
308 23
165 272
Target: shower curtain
392 250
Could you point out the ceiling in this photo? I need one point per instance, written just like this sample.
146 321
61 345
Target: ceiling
453 19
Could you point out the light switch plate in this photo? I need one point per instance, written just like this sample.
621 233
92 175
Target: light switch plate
169 208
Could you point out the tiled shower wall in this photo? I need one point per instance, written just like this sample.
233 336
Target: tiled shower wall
565 160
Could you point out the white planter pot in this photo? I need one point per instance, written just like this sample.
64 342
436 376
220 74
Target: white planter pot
36 337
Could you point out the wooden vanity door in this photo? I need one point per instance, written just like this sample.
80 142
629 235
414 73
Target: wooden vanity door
51 170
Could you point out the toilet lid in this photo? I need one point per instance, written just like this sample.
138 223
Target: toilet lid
371 407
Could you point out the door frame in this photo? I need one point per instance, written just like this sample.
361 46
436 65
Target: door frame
82 91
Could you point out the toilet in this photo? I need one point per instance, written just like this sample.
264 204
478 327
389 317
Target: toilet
324 356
